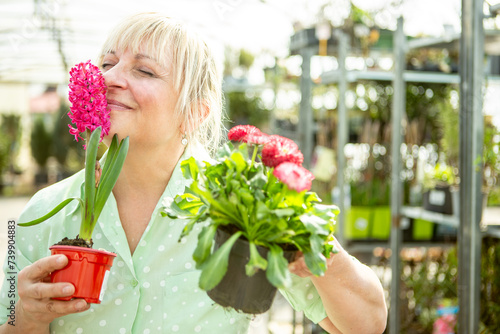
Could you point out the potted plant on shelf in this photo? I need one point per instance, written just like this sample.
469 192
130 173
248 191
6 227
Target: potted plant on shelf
437 184
254 205
87 268
449 118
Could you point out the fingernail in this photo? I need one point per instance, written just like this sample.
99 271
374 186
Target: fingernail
60 259
67 290
81 305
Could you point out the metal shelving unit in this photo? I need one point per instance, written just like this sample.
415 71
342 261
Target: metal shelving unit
435 217
465 219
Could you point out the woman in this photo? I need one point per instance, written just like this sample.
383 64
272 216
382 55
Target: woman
164 93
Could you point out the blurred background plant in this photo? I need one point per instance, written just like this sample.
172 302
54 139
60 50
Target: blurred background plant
10 134
439 175
51 145
41 147
65 149
429 282
490 286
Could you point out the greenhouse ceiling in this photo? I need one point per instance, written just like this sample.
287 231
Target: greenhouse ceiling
41 39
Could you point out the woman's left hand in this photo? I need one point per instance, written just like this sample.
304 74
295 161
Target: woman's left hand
299 267
350 291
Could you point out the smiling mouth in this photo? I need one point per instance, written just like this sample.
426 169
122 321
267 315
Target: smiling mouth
115 105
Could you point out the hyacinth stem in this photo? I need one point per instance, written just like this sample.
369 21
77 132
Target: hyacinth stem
92 140
85 219
87 140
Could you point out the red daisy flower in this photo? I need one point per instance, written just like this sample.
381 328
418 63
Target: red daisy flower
280 149
247 134
258 139
294 176
239 132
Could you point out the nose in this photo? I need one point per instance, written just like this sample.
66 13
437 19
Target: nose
115 77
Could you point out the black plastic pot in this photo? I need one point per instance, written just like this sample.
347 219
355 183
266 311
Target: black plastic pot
439 200
252 295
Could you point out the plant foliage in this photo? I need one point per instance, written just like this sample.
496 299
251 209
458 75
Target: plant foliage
245 198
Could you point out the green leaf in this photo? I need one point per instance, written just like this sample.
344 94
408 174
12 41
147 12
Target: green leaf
110 156
243 148
258 181
281 224
183 209
53 212
239 162
326 211
284 212
222 206
315 224
277 268
189 227
215 267
315 260
90 189
262 211
190 168
256 261
312 197
294 198
225 151
204 246
243 212
259 195
108 183
203 194
247 198
214 174
187 203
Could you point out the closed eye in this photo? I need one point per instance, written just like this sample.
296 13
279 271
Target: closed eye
106 66
147 73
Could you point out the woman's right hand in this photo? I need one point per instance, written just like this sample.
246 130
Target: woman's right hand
35 308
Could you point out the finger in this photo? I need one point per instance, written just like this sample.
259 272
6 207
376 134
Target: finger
299 267
50 308
301 272
67 307
43 267
47 290
299 261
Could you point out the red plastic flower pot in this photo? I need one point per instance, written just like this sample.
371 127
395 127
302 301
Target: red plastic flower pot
87 270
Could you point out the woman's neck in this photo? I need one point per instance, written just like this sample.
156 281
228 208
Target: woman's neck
147 171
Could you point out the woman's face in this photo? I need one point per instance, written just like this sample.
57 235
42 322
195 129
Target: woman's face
142 100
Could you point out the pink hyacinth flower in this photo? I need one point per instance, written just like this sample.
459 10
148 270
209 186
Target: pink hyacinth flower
89 108
294 176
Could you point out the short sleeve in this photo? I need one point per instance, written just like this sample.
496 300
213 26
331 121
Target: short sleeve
303 296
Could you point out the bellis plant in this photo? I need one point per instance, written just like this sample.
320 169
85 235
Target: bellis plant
90 114
257 191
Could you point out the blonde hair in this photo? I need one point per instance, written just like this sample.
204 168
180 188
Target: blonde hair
196 76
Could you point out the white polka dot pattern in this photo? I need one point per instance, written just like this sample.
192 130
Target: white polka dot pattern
154 290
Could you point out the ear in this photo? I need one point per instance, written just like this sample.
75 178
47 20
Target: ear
203 110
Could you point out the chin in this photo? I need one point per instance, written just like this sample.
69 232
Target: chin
107 139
